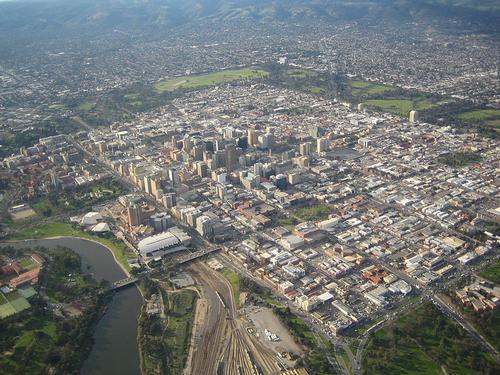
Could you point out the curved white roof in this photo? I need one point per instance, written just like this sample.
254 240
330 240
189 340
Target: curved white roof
160 241
91 218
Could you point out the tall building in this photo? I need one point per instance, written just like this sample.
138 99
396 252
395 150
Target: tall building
322 145
169 200
187 144
316 131
231 157
413 116
252 137
134 214
257 169
160 222
202 169
305 149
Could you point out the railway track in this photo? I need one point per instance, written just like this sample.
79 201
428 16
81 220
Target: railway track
226 348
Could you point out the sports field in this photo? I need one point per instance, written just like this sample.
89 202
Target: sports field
12 303
205 80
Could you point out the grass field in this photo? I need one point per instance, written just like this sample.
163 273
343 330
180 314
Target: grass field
313 213
364 88
205 80
480 115
301 73
400 106
425 342
6 308
460 159
86 106
12 303
492 273
178 333
28 264
119 249
234 279
57 106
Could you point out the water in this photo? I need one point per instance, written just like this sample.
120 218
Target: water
115 349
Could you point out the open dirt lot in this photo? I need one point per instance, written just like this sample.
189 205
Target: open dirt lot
263 318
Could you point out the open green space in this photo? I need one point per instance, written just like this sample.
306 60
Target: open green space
86 106
6 309
480 114
205 80
57 106
79 199
35 340
119 249
313 213
301 73
234 280
164 343
401 106
17 301
492 272
460 159
425 342
28 264
365 88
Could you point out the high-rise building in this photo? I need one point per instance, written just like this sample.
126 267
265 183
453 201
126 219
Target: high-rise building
257 169
413 116
252 137
187 144
305 148
202 169
231 157
169 200
160 222
316 131
322 144
134 214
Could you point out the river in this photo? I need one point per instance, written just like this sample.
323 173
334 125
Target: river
115 349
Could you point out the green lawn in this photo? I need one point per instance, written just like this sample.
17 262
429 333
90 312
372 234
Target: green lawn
86 106
400 106
313 213
6 309
460 159
364 88
205 80
28 264
492 273
301 73
118 248
481 114
178 333
235 280
57 106
424 342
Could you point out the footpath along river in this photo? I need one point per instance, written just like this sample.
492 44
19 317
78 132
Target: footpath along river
115 349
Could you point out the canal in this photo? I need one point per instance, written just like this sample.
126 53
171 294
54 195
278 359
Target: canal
115 349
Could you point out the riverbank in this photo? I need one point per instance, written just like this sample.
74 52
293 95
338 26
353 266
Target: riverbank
115 348
64 230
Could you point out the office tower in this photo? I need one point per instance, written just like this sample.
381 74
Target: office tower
322 144
231 157
413 116
134 214
305 149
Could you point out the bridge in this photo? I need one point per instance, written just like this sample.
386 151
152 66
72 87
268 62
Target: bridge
198 254
124 282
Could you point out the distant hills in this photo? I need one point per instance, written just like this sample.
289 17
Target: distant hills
59 17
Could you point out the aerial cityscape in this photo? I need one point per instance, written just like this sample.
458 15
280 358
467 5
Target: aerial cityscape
251 187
